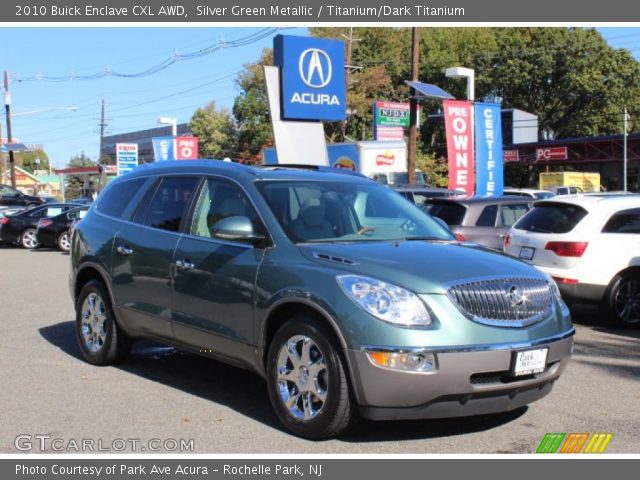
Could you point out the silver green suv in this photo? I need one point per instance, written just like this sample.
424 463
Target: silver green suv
345 297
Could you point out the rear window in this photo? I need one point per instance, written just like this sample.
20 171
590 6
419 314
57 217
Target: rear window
552 218
627 221
450 212
115 200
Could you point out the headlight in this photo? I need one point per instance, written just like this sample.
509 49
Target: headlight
554 286
385 301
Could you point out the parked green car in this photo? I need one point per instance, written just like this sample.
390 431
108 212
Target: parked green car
345 297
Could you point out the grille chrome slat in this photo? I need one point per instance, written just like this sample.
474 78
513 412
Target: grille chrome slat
505 302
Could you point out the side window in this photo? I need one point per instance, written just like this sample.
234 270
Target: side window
220 200
6 191
114 201
488 216
626 221
54 211
169 204
511 213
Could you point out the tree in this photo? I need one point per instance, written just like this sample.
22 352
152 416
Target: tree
215 130
73 187
251 110
32 161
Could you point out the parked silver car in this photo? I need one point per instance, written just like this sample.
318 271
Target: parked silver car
483 220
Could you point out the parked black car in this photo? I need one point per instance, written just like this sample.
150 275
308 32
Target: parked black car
54 231
419 194
21 227
10 197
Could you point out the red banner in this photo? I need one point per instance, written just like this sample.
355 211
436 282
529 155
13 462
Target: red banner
458 121
552 153
186 148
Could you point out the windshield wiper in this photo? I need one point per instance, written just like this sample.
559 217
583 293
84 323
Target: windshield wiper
418 237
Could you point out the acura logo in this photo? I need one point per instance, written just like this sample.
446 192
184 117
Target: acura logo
515 295
315 68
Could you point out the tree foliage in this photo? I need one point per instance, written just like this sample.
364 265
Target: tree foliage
32 161
251 110
215 130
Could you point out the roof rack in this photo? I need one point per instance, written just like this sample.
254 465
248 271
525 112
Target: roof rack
302 166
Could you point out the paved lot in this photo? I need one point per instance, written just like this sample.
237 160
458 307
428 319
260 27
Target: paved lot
46 389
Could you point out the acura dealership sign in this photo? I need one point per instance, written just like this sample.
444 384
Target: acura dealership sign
312 78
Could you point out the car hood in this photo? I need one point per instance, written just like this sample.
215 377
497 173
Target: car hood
419 266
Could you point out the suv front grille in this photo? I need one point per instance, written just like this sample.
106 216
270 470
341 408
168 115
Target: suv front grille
503 302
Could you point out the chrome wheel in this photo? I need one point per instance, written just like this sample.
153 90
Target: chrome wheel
94 322
627 301
64 242
29 238
302 377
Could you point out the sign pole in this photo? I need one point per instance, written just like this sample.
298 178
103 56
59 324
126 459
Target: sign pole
7 106
624 149
413 109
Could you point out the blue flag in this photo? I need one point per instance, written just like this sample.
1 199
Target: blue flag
489 167
163 149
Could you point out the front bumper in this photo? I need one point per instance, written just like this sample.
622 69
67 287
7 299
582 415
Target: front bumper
469 380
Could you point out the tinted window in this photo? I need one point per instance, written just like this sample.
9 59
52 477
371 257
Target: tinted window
488 216
552 218
220 200
510 214
169 204
6 191
115 200
627 221
543 195
452 213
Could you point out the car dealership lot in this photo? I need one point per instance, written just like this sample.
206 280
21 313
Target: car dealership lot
161 393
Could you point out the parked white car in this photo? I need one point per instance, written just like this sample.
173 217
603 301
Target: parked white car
590 244
529 192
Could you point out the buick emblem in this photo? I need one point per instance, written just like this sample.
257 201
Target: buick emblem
515 296
314 67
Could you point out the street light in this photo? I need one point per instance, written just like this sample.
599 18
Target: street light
72 108
462 72
170 121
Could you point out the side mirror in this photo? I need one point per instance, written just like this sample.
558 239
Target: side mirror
236 229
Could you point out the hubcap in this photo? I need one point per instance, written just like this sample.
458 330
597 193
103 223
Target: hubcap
94 322
302 377
627 301
29 239
64 241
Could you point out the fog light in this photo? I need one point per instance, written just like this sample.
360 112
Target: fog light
409 362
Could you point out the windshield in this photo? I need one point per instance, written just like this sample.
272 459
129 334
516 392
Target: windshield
317 211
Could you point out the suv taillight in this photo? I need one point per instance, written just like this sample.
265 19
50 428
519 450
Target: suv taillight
506 240
567 249
459 237
4 220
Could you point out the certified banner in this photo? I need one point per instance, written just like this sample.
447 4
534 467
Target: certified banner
163 149
488 139
458 120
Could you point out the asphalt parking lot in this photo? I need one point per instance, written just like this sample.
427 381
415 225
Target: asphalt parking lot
165 394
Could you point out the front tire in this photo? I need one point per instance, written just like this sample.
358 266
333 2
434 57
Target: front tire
622 301
101 340
29 239
307 380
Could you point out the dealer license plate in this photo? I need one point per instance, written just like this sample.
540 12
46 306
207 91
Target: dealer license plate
528 362
526 253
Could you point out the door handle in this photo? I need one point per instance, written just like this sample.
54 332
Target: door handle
184 264
124 250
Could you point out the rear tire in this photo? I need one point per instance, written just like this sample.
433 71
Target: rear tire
621 304
29 239
64 241
307 380
101 340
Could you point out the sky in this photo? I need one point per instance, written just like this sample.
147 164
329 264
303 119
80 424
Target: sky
52 105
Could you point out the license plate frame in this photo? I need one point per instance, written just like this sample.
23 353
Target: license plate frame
529 362
527 253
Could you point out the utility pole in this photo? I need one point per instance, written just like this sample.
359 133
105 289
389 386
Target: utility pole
102 181
7 106
624 149
413 108
347 74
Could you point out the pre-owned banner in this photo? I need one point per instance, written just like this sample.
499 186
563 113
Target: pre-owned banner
488 140
458 121
163 149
